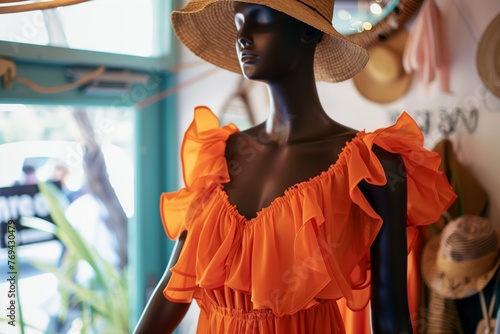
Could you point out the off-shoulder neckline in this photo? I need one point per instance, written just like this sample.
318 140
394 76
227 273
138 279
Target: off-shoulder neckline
290 191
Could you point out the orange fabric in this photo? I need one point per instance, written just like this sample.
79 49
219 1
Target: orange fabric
355 322
282 270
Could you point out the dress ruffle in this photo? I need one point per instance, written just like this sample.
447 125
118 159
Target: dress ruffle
310 244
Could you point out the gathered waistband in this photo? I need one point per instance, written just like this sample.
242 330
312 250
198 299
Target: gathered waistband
323 318
261 314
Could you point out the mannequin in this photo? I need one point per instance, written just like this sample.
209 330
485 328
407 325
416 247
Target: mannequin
299 133
297 142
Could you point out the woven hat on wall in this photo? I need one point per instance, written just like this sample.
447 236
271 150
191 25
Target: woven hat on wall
207 28
460 261
473 197
384 79
488 57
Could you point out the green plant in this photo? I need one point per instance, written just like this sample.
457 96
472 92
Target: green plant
104 298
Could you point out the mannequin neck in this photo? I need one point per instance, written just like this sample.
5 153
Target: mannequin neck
296 113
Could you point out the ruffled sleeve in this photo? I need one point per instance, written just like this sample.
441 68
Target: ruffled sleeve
428 195
203 167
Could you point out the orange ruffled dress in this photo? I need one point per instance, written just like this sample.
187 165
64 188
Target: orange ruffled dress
284 270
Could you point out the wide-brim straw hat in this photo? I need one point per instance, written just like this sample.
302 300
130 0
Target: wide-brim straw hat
207 28
384 79
488 57
460 261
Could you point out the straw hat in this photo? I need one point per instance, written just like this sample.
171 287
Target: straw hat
474 198
384 79
461 260
488 57
207 28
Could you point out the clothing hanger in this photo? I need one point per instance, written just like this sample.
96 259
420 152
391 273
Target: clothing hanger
423 119
448 120
488 323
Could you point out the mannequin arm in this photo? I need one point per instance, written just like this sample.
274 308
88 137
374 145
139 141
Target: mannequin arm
389 302
161 316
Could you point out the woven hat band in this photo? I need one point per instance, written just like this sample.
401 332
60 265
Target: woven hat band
323 8
477 266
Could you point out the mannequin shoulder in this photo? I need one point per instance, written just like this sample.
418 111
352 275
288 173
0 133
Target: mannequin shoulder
395 173
253 136
390 161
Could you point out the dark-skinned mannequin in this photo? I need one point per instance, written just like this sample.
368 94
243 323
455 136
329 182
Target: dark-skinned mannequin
297 142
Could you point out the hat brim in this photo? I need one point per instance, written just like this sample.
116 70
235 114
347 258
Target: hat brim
385 92
488 57
451 287
206 27
381 92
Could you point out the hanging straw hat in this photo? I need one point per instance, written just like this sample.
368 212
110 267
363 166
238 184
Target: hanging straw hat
384 79
461 261
488 57
473 198
207 28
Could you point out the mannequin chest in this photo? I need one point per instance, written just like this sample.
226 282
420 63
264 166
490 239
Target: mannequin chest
261 172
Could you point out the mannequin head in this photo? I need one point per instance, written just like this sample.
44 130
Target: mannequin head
271 44
207 28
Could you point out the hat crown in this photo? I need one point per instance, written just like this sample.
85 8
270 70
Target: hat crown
384 65
467 238
460 261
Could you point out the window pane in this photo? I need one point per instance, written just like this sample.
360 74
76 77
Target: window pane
115 26
50 144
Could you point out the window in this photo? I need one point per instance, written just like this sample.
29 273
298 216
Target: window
48 148
128 27
135 45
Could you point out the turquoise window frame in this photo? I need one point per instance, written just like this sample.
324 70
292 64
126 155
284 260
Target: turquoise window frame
155 137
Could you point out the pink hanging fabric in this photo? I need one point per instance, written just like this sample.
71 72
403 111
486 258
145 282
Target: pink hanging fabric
426 50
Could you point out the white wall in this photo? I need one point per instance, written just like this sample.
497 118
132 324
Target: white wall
464 26
464 22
